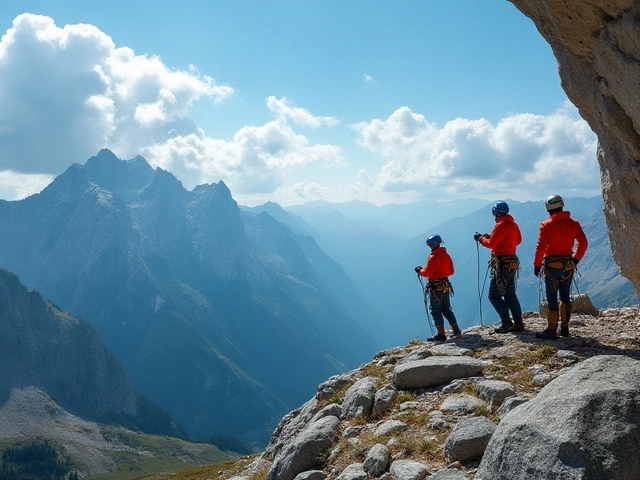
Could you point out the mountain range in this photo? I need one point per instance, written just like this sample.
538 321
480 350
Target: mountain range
224 318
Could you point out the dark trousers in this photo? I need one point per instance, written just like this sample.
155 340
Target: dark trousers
440 305
557 280
509 301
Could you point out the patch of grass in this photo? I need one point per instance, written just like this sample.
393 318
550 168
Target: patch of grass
405 396
515 369
414 342
137 454
376 371
416 418
215 471
470 388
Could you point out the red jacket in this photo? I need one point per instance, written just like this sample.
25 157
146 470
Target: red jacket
556 237
505 237
439 265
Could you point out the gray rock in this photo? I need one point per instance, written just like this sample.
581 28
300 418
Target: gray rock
358 399
377 460
463 403
333 385
468 439
351 432
450 349
509 404
542 378
410 405
434 371
579 304
449 474
593 435
495 391
419 353
409 470
289 427
311 475
353 472
439 425
384 399
303 452
332 409
389 427
456 385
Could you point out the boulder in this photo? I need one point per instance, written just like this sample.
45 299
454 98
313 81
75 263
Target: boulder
449 474
579 304
303 452
311 475
332 409
377 460
384 399
358 399
434 371
289 427
450 349
463 404
389 427
494 391
333 385
509 404
409 470
582 425
353 472
468 439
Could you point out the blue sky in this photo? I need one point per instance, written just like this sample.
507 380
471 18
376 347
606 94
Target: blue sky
292 101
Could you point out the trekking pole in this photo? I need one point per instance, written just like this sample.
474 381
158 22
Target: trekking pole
426 306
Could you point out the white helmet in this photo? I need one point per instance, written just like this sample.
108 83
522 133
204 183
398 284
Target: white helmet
554 202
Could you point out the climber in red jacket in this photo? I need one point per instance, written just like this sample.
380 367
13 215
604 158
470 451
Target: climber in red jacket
556 239
438 268
502 241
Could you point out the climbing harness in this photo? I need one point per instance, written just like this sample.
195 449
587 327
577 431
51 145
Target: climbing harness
508 263
425 292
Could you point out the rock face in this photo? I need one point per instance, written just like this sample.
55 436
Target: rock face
597 45
583 425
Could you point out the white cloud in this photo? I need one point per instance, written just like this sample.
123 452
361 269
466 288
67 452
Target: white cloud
522 153
368 79
284 109
67 92
254 161
17 186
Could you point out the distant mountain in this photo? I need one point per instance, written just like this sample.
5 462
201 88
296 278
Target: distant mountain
62 356
220 328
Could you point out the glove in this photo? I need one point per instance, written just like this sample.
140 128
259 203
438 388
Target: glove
477 236
417 269
536 271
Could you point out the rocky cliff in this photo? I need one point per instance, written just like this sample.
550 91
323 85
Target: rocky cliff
597 45
481 405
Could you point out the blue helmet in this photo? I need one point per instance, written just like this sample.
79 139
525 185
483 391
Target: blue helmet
433 240
500 207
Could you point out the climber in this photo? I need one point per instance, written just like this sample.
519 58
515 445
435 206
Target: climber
437 270
554 252
502 241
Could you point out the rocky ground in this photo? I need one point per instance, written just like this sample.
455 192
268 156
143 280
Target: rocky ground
416 425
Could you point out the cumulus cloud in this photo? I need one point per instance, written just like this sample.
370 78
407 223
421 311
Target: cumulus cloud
254 161
522 152
67 92
368 79
285 109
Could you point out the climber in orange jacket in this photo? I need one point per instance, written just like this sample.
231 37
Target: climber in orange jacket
556 239
502 241
438 268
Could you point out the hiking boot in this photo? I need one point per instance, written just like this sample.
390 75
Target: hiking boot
504 328
564 330
516 328
547 334
456 330
437 338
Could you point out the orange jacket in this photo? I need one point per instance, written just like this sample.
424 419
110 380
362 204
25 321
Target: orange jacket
556 237
439 265
505 237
